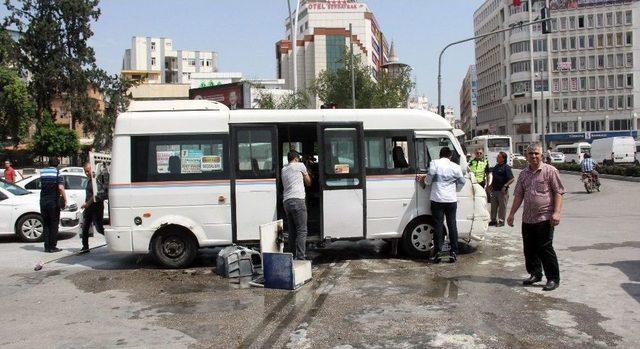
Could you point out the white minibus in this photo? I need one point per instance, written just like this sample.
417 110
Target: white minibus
491 145
192 174
614 150
574 152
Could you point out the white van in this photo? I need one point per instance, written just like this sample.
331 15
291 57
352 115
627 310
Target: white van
492 145
614 150
574 153
190 174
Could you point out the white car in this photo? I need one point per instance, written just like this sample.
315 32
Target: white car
72 170
519 157
74 185
20 214
556 157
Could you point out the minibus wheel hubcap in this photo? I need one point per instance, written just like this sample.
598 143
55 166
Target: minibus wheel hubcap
422 237
173 247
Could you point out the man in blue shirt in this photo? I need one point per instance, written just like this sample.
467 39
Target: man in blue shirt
52 188
587 165
501 179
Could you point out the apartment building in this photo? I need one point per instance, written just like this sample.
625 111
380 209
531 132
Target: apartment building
469 102
578 82
156 61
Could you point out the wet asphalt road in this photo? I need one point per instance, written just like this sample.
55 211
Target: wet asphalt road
360 297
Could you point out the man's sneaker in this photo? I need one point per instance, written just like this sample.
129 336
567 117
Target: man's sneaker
453 257
551 285
53 250
84 250
493 223
531 280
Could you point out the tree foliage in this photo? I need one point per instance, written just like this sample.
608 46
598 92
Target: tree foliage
116 99
16 107
54 141
8 49
387 91
54 49
299 100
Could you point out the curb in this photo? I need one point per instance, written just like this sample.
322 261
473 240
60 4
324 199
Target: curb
606 176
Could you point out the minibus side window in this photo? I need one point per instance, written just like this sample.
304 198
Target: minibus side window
255 153
178 158
387 153
428 149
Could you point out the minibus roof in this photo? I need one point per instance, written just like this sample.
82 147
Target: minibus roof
202 116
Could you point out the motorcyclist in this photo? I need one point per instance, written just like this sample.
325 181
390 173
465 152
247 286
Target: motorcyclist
588 166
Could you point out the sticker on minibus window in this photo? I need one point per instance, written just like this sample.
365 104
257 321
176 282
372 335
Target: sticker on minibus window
162 160
191 161
211 163
341 168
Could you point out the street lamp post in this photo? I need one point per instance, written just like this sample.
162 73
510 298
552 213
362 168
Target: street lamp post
543 124
293 23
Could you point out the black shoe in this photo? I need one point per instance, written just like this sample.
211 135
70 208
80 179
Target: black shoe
84 250
53 250
531 280
493 223
551 285
453 257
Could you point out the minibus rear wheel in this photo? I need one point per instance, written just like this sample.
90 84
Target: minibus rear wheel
417 240
174 247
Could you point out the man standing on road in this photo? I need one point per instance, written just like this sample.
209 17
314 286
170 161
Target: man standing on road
480 168
93 211
501 179
540 188
445 178
294 178
9 172
52 200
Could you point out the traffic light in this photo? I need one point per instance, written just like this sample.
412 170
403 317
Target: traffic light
544 15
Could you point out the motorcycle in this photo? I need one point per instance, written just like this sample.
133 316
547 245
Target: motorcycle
589 182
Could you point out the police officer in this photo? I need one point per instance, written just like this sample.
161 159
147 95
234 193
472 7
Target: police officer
480 168
52 200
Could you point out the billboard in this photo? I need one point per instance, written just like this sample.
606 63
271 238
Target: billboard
574 4
230 95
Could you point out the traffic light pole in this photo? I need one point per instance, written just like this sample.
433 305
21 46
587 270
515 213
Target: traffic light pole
518 25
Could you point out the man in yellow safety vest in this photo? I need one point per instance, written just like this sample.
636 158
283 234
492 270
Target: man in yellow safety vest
480 168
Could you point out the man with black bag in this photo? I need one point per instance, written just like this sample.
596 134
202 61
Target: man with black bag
93 211
52 199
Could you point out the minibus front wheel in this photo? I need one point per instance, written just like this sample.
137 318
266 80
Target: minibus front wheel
417 240
174 246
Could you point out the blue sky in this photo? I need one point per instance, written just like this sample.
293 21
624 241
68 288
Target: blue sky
244 32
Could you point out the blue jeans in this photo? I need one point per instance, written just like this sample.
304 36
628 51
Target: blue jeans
440 210
296 211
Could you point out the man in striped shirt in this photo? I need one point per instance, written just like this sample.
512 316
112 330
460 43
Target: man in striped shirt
587 165
541 190
52 187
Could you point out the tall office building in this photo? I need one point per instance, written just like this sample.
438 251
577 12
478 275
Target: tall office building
578 82
156 61
322 38
469 102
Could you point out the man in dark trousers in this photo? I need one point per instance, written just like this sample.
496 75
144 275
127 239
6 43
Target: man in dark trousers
540 189
93 211
294 178
52 200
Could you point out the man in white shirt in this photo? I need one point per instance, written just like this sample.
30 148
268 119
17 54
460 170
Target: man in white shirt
445 178
294 178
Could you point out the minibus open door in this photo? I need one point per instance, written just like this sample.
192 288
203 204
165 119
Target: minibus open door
342 180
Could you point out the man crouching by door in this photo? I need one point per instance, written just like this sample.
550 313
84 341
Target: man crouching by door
294 178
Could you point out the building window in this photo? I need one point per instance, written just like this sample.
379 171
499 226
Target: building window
574 104
153 46
540 45
601 103
620 102
153 61
610 40
565 84
601 82
628 40
619 125
619 18
592 62
563 23
629 80
565 105
611 102
600 40
629 60
599 20
554 44
620 81
592 82
592 103
595 125
619 39
572 23
610 82
609 18
574 63
518 67
589 21
572 42
522 46
563 44
335 52
580 22
520 87
581 42
600 61
630 101
619 60
591 41
574 84
556 105
582 63
540 65
583 83
554 64
628 17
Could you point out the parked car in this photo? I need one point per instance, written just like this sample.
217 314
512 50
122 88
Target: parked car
20 214
614 150
75 185
556 157
519 157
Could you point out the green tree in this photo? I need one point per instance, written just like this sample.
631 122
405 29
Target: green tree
386 91
335 86
53 140
54 49
8 49
300 100
116 100
17 110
